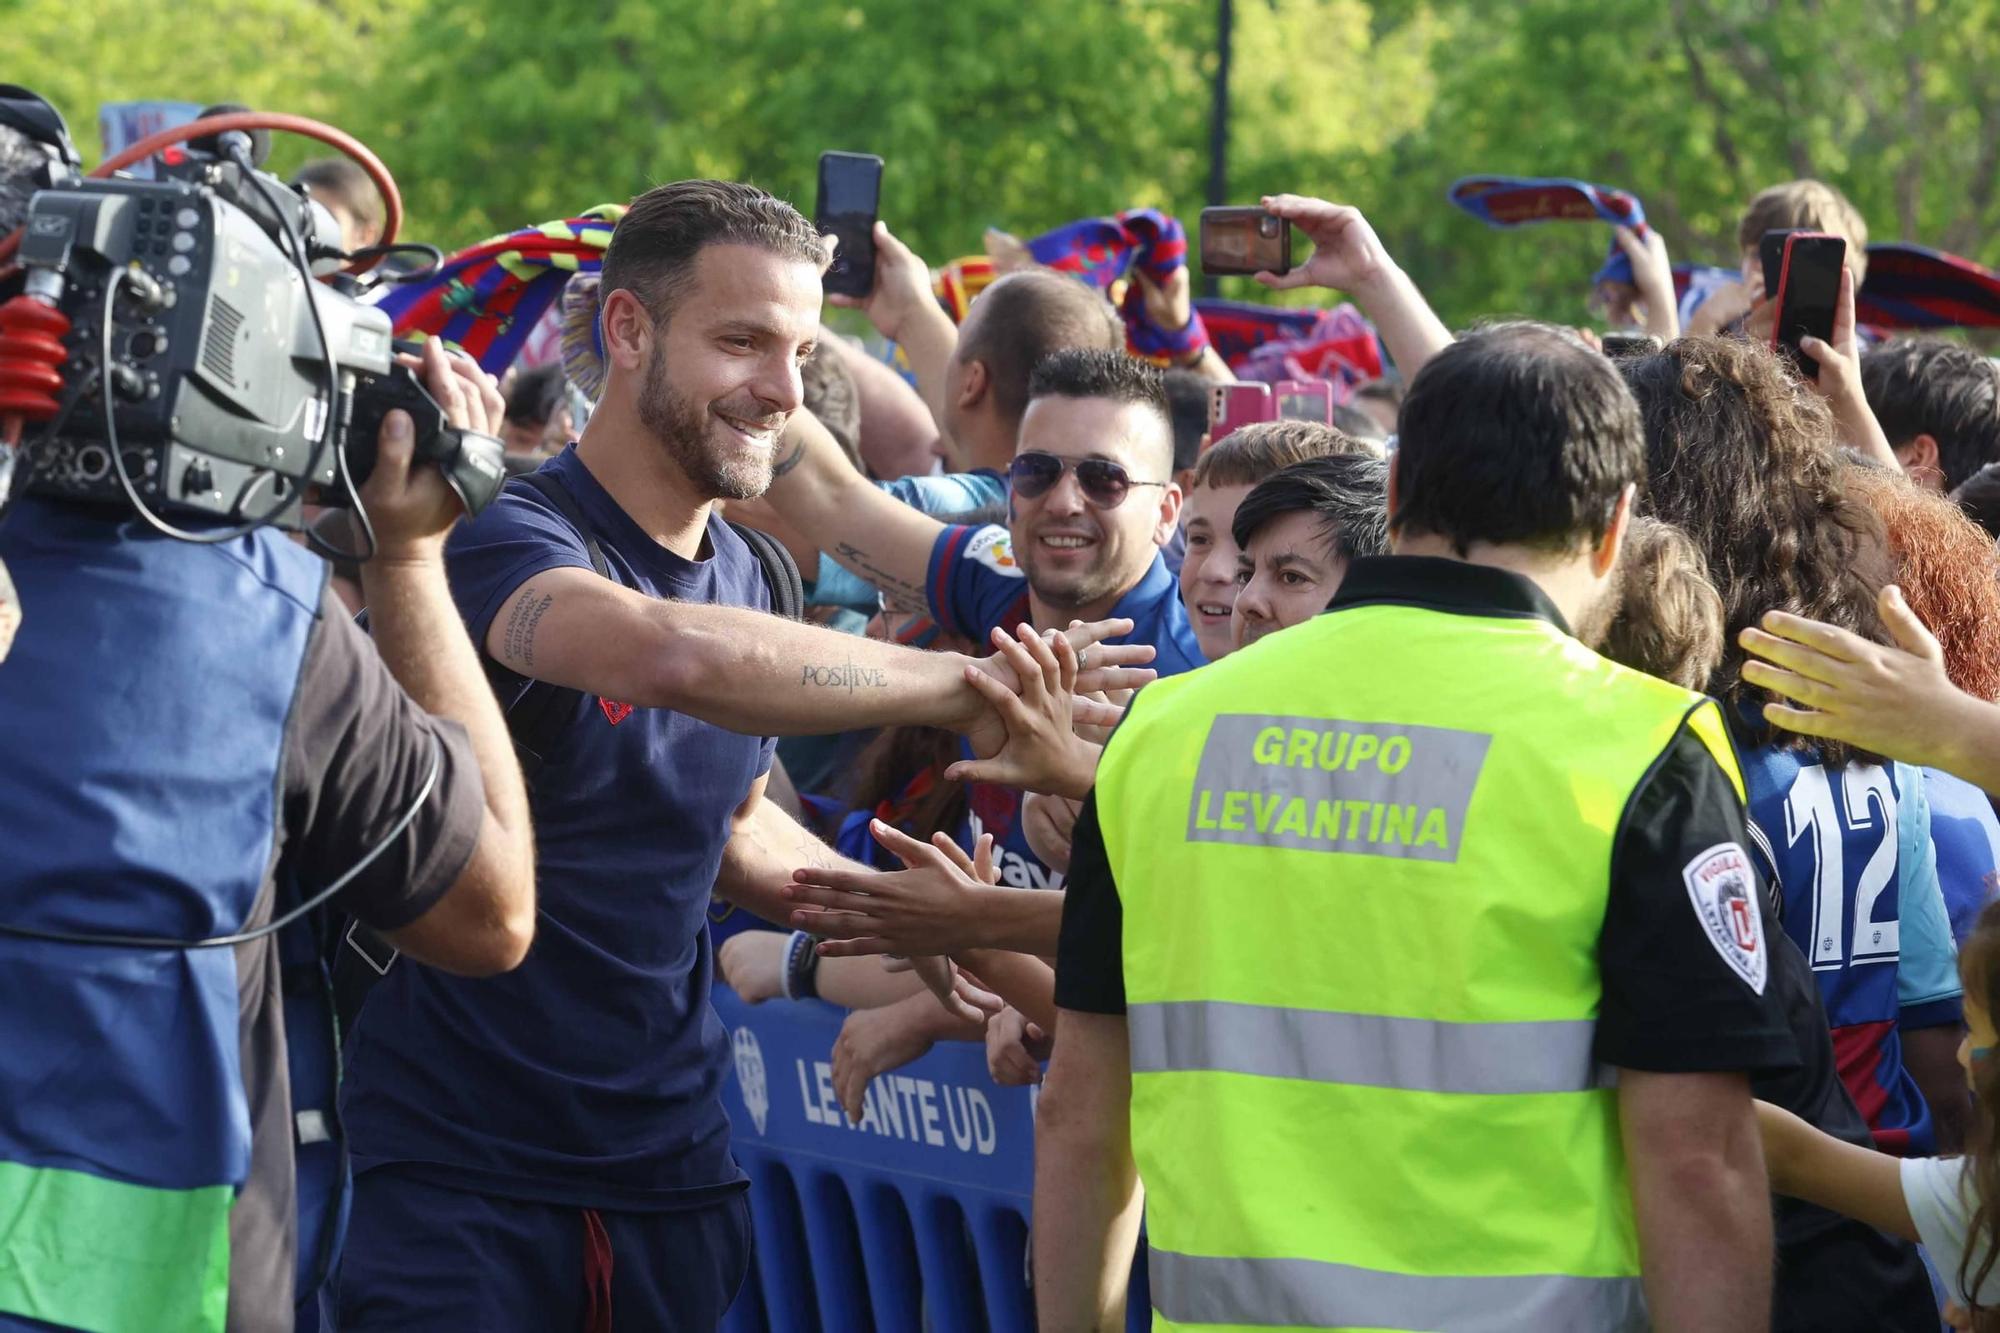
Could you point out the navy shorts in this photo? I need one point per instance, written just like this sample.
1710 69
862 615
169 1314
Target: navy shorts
422 1258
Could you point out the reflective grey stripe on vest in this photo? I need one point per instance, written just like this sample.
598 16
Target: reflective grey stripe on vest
1304 1293
1414 1054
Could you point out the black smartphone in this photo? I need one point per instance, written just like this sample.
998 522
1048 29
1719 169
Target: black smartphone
1771 250
1244 240
1808 293
850 193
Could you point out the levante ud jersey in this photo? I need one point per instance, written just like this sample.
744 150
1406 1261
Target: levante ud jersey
1848 848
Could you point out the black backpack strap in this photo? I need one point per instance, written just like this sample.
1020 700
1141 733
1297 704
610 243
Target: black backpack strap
541 713
788 588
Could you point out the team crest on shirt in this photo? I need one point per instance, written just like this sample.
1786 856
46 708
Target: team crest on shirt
1724 893
993 547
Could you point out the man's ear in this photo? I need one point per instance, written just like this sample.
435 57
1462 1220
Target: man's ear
629 331
1170 514
1920 462
975 385
1605 558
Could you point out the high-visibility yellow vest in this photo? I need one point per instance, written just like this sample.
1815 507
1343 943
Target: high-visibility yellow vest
1364 866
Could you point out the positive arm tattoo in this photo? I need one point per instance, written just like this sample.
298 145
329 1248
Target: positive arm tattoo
844 676
528 612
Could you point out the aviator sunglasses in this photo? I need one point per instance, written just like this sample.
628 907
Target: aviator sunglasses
1105 484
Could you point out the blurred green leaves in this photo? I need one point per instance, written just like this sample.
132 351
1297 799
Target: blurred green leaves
1024 114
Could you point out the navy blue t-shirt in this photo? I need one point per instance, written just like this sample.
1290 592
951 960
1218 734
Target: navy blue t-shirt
590 1075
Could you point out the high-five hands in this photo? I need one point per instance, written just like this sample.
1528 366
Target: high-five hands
1042 752
1101 668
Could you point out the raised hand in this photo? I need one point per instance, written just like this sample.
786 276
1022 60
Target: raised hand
902 287
1042 752
1346 252
1348 256
934 906
1653 277
1895 701
1101 667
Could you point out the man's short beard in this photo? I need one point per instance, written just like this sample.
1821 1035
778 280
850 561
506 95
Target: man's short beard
687 433
1086 588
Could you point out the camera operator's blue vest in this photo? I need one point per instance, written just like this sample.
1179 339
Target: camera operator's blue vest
142 722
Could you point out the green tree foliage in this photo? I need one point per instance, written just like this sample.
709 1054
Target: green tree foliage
1009 113
1023 114
1695 105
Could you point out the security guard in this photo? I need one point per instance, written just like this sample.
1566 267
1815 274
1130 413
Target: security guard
1358 917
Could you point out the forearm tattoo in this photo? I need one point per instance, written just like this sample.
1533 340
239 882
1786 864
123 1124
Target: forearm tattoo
844 675
854 557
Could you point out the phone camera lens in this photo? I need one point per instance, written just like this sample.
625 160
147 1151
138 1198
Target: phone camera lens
1267 227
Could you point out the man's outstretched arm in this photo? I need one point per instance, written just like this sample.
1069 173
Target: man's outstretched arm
747 670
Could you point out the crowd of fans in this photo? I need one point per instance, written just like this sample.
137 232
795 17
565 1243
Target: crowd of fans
1768 501
878 807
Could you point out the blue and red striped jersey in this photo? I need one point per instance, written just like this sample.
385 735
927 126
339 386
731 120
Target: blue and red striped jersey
1848 849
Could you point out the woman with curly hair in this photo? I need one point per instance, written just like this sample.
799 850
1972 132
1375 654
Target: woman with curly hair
1742 459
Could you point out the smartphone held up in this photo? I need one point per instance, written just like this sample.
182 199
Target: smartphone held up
1243 241
1805 293
850 197
1234 406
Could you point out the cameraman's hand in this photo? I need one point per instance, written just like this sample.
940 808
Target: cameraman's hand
412 508
902 288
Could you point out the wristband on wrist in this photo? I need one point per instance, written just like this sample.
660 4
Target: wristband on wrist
801 976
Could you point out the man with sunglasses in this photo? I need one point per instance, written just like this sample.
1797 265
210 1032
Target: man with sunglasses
1093 501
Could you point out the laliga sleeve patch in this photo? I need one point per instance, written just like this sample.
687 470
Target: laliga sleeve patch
993 547
1724 893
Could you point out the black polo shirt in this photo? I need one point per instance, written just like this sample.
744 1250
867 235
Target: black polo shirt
1673 1002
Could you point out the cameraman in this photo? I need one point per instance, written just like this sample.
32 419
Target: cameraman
198 740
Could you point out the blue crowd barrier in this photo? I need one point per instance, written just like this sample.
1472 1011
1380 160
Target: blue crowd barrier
915 1220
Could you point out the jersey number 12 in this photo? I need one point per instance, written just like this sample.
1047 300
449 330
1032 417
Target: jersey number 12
1815 809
